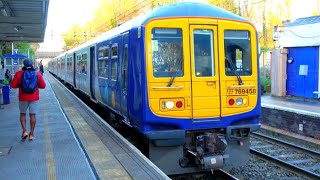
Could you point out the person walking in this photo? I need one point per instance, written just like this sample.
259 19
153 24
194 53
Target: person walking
41 68
28 80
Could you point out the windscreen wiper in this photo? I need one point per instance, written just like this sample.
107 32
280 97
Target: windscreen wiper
172 78
233 67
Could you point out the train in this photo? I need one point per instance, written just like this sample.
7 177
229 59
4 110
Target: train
185 76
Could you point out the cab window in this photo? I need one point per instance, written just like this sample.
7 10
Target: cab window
167 54
203 53
238 58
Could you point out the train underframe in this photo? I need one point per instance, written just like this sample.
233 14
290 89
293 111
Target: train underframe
177 152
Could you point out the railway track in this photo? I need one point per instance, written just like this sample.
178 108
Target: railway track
213 175
298 159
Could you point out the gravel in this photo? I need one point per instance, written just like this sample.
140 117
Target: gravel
259 169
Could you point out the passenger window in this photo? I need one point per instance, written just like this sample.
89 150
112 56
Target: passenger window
237 53
62 64
114 51
84 64
69 64
167 54
125 67
103 52
203 53
59 64
102 69
114 70
79 63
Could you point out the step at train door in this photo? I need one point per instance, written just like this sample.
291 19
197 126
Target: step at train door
204 72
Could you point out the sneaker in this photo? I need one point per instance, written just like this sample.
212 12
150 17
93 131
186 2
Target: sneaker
24 135
31 138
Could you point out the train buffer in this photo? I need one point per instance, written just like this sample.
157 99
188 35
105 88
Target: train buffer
70 143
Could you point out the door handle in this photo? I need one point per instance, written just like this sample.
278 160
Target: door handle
211 83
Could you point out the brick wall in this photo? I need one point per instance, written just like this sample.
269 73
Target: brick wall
306 125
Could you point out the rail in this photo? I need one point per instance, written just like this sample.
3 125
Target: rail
295 158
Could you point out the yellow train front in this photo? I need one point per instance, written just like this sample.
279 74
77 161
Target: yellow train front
202 85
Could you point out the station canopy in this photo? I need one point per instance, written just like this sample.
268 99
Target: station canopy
23 20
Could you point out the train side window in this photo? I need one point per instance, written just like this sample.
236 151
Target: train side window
125 68
79 63
102 69
237 52
114 51
69 64
103 52
62 63
203 53
167 52
84 63
114 70
59 64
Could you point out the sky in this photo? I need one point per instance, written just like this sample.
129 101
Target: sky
63 14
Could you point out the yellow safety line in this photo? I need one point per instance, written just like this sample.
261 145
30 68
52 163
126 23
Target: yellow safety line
49 150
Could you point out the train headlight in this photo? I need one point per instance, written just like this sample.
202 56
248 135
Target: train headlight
239 101
169 104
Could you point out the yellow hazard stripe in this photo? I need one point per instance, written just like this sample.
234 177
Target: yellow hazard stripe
49 149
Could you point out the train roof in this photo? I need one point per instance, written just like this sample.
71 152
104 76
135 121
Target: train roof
177 9
189 9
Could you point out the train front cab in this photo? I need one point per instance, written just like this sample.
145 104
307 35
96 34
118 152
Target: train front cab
202 81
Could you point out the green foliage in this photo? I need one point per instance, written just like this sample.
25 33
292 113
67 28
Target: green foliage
265 80
22 49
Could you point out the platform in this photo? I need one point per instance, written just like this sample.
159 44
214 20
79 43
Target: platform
292 115
72 142
292 104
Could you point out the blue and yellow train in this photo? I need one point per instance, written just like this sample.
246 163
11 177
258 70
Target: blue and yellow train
185 75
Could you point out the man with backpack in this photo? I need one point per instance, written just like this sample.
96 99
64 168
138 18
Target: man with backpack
28 80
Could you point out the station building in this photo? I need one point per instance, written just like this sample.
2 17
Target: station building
295 67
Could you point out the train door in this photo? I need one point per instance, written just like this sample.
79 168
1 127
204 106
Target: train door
204 71
124 75
74 70
92 71
113 80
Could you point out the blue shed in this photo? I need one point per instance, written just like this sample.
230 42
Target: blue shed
302 39
13 62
